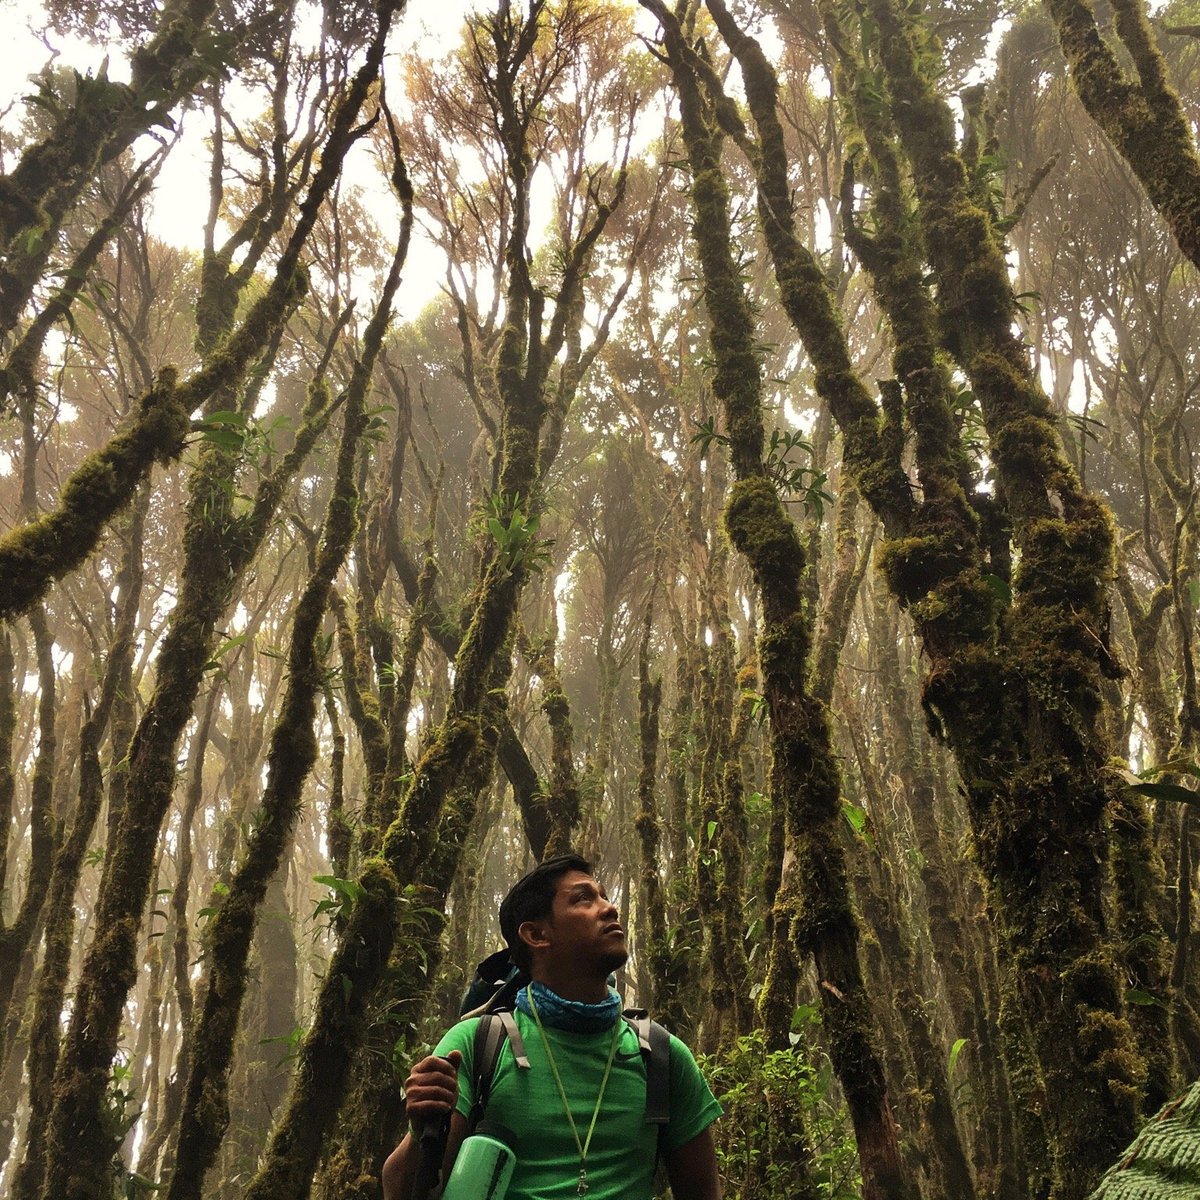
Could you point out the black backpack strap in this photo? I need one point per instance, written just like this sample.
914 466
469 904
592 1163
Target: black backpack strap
655 1044
493 1030
489 1040
658 1076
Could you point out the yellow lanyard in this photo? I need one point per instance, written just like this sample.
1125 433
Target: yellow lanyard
585 1146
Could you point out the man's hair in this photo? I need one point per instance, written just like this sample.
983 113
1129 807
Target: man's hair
531 898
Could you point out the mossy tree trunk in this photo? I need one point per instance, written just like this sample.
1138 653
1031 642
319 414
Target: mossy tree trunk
997 1156
60 926
422 843
1040 818
936 1124
17 937
510 752
218 548
165 1121
92 128
292 754
562 797
803 771
664 970
1036 778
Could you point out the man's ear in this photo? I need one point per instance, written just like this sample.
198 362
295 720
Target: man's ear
534 934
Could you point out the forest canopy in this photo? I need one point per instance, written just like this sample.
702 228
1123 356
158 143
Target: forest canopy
750 444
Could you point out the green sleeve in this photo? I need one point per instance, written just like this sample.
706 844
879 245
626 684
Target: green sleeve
693 1106
461 1037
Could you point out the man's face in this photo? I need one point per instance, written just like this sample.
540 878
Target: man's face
585 926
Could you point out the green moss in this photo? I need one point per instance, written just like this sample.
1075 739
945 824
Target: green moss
1141 114
913 566
33 556
410 836
760 529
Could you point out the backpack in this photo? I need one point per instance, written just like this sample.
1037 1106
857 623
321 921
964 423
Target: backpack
497 980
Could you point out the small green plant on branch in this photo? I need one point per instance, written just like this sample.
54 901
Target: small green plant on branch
795 482
515 531
1149 782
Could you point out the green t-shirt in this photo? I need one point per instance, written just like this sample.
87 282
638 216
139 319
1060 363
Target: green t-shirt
621 1160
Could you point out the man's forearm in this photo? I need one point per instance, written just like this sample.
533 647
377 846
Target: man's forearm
399 1169
403 1164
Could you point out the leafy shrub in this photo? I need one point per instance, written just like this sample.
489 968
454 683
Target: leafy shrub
783 1136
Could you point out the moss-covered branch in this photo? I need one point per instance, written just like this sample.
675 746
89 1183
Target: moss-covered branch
510 751
34 555
18 373
8 728
1035 778
807 298
60 931
339 1025
15 936
1141 116
291 756
216 552
562 797
98 123
664 996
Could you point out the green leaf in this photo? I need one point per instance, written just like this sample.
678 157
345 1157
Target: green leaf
225 418
712 828
230 644
226 439
1166 791
999 587
1173 766
856 818
1142 998
346 888
955 1051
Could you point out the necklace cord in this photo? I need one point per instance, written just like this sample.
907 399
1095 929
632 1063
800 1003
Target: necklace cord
585 1146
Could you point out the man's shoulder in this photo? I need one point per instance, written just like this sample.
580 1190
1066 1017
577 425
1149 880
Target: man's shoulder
458 1037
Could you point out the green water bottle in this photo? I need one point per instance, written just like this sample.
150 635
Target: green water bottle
484 1164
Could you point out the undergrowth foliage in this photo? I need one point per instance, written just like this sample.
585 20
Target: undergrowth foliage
771 1099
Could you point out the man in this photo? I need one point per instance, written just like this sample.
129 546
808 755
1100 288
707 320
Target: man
579 1109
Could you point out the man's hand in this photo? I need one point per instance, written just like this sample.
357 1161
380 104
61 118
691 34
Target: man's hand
430 1092
431 1089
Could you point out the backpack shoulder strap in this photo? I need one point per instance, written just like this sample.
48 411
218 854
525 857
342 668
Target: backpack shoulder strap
489 1039
658 1076
515 1040
655 1044
493 1030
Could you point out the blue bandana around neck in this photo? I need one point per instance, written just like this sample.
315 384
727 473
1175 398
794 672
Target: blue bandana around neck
575 1016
